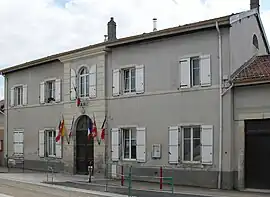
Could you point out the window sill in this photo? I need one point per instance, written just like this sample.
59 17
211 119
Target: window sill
192 162
18 106
131 160
193 88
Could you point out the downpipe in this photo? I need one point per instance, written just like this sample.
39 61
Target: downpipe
220 109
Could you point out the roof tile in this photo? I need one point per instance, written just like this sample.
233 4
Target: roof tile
254 70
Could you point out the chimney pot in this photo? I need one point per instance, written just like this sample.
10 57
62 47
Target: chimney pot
154 24
111 30
255 4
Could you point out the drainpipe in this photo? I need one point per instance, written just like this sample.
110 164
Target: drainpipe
220 107
6 97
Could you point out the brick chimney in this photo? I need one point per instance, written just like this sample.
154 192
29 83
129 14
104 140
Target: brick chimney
255 4
111 30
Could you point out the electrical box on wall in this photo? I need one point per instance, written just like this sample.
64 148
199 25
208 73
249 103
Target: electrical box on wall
156 151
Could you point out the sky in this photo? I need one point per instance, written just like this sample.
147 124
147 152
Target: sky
32 29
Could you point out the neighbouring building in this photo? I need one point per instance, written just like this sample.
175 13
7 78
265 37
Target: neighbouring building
170 104
181 98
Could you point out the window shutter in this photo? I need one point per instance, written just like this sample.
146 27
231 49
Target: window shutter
116 82
113 171
42 92
58 90
140 144
207 144
173 145
115 144
58 147
73 84
25 94
12 97
184 69
205 70
93 81
41 143
139 79
18 142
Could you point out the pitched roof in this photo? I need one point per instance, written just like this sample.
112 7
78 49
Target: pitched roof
197 26
257 69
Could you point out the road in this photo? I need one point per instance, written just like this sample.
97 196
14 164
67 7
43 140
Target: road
16 189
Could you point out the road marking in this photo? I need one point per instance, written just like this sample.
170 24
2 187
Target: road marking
4 195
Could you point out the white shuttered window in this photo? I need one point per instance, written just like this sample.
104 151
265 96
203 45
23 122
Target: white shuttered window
195 71
18 142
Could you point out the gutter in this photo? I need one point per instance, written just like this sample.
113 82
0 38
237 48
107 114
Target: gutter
220 107
6 121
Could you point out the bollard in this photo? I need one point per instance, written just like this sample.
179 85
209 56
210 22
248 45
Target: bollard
122 175
160 178
90 173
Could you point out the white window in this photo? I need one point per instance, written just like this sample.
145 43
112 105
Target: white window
50 91
195 71
48 147
191 144
129 80
255 41
18 95
50 142
18 138
83 82
129 144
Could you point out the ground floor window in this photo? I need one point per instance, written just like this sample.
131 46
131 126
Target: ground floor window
191 144
129 143
18 139
50 143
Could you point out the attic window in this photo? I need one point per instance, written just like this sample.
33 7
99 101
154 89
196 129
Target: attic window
255 41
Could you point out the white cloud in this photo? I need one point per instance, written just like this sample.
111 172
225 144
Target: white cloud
34 28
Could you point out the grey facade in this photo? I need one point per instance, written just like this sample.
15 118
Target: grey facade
34 116
164 95
163 104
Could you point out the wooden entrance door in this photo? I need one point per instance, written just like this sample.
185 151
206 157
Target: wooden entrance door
84 147
257 154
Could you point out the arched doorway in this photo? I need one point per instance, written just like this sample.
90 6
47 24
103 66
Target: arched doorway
84 147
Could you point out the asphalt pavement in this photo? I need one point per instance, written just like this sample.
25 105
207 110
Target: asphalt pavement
123 190
18 189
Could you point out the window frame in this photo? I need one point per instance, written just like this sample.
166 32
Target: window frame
17 87
130 143
123 70
191 161
192 71
79 81
46 92
255 39
47 143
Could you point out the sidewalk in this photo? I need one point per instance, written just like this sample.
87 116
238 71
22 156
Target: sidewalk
98 184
